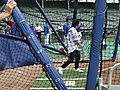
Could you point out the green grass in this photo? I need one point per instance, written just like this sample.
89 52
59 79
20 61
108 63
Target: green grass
47 84
69 75
107 53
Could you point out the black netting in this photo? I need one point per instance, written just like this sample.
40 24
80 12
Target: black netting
17 53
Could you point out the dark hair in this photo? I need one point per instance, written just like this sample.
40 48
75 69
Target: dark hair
68 18
75 22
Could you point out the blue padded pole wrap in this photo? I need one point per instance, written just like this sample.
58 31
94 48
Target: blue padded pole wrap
37 49
117 41
97 34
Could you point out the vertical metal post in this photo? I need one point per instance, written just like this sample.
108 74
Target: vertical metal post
43 3
75 9
68 4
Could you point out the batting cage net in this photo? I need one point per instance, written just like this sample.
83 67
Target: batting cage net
20 67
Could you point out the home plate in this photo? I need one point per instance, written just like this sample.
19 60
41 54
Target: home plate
70 83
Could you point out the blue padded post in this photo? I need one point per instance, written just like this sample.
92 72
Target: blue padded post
117 41
97 34
37 48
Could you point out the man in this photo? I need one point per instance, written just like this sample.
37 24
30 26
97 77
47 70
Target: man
47 33
73 44
67 25
66 28
8 9
32 26
39 30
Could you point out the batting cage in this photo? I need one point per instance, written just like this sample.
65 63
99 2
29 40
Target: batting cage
32 59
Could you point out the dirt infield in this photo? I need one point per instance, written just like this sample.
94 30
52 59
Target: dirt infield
19 78
116 74
23 77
